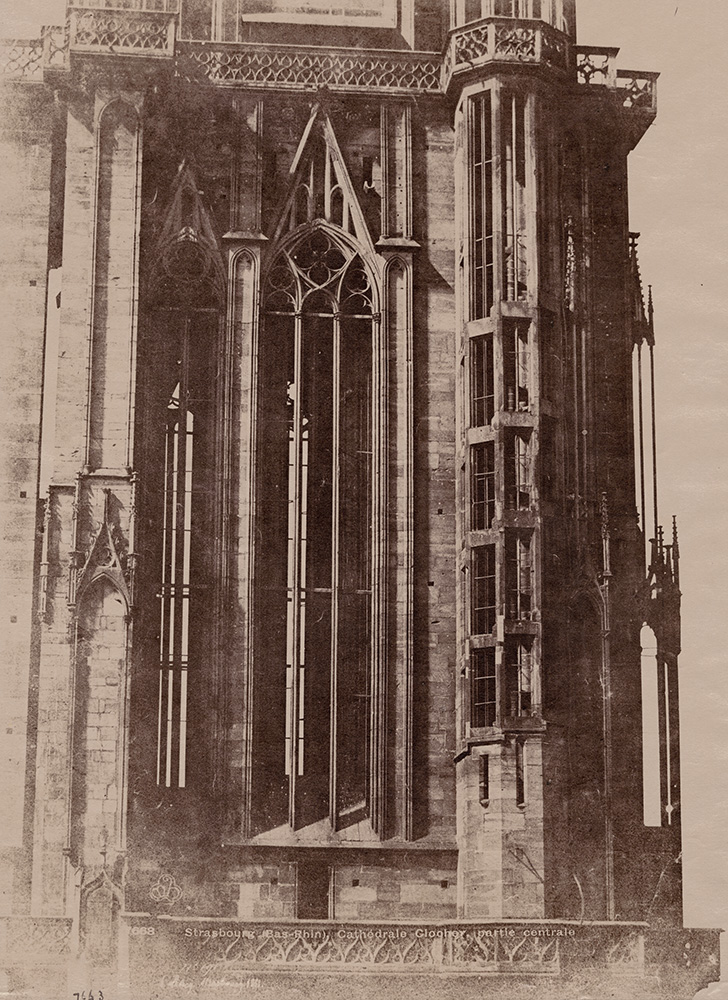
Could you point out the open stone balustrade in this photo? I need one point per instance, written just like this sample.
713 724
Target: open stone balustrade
149 30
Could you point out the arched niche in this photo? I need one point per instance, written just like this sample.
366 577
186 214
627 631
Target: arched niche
101 902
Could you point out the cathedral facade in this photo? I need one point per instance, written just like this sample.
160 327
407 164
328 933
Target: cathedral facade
333 534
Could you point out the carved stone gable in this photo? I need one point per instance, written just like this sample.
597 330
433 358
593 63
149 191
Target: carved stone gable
187 255
321 187
106 557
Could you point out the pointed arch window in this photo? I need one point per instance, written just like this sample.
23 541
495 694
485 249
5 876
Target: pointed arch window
315 728
174 636
180 440
481 196
184 433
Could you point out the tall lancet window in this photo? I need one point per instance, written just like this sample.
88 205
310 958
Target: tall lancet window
481 197
184 493
314 529
514 197
175 570
180 437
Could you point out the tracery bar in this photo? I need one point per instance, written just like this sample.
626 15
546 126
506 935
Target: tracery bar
175 590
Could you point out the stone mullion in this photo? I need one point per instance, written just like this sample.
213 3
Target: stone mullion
378 744
405 349
221 535
242 344
335 665
295 565
398 330
244 244
463 296
397 249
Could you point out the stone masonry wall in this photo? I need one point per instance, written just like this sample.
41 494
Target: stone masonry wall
26 129
378 892
361 891
99 690
501 842
434 501
79 753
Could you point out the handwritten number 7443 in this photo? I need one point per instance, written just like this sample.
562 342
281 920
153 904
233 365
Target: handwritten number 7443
89 996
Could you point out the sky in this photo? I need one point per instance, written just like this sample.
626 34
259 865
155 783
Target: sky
679 203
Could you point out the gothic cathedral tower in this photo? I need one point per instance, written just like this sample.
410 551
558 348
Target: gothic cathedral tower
332 629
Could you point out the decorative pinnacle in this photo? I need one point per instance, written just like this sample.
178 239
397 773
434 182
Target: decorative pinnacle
606 556
641 325
675 554
650 317
46 501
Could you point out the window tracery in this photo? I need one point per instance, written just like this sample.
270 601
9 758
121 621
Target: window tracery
314 658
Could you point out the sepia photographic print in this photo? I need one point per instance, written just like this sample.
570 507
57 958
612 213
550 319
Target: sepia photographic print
363 498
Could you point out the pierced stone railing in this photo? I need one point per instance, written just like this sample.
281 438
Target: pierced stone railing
34 941
21 59
637 90
597 67
229 948
298 67
226 951
408 948
35 953
148 28
168 6
503 40
121 32
54 39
